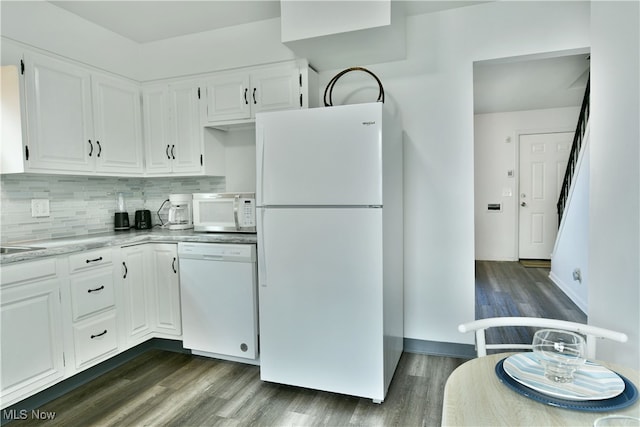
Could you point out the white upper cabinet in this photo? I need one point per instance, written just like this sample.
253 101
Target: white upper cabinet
117 125
157 142
74 119
185 130
79 121
227 97
237 96
174 143
60 126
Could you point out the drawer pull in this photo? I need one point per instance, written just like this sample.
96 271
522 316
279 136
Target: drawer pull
94 260
173 265
96 289
126 270
99 335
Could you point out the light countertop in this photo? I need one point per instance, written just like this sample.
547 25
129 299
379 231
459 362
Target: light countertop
69 245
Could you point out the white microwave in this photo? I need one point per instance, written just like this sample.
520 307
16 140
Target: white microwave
224 212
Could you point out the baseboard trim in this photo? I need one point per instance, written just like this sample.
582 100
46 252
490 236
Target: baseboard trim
437 348
582 305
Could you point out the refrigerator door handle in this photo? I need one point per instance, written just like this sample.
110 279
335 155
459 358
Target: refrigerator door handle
262 257
260 143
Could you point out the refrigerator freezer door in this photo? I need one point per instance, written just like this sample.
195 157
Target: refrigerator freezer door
321 156
321 322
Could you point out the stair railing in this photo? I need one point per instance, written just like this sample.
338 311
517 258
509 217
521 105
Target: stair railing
575 152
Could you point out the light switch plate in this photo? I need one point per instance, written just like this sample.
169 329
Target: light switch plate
39 208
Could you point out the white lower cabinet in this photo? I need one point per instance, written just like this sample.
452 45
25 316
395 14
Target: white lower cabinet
151 288
63 315
92 308
137 295
31 333
165 278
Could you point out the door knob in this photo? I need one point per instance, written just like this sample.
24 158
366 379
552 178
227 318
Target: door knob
523 204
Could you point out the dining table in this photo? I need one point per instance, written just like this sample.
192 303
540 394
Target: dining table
476 395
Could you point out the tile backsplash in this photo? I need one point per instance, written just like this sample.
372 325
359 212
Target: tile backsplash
81 205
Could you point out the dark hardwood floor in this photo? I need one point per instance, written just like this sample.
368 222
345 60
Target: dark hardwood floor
162 388
505 288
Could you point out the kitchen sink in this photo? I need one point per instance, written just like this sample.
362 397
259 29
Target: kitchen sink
7 250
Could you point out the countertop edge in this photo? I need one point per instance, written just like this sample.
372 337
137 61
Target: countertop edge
70 245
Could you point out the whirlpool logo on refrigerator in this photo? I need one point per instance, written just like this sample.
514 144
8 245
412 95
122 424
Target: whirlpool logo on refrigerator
369 123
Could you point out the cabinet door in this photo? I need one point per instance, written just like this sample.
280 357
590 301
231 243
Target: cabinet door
138 298
227 98
157 140
31 350
275 89
164 276
59 122
186 131
118 126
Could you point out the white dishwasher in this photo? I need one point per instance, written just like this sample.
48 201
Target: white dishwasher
218 285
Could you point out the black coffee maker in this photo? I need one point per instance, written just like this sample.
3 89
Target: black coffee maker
121 218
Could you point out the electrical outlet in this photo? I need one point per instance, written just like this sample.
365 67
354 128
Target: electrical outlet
39 208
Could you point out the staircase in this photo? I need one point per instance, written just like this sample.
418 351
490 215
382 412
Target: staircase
570 257
575 151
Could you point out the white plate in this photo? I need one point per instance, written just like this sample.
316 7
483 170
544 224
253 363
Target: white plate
590 382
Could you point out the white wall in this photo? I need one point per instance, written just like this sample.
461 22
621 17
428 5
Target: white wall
42 25
614 223
571 250
232 47
433 91
496 152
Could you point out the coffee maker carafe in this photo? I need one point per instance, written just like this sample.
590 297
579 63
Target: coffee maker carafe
180 217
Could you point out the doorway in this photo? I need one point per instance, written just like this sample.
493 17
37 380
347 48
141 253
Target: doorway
518 98
517 102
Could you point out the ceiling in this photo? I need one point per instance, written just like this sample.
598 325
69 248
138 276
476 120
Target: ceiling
505 85
517 84
146 21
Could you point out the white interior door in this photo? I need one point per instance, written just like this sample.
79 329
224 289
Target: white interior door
543 160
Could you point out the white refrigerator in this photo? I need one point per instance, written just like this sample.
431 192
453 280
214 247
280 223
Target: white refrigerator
330 248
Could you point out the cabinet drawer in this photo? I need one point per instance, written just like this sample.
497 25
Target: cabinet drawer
92 292
88 260
94 339
30 271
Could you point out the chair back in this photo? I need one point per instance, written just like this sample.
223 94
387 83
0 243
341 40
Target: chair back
591 333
